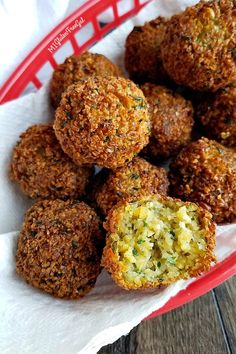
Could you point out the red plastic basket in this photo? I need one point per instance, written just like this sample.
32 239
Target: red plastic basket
27 73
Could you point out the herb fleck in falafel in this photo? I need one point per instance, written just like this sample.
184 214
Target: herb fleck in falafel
172 121
155 240
205 171
142 54
198 49
136 178
43 170
103 121
77 68
59 248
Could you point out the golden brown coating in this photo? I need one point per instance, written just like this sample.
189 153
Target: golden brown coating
172 121
43 170
77 68
102 121
198 49
142 52
136 178
59 248
205 171
218 117
155 240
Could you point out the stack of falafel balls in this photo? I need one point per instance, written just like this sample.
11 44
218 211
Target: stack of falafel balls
128 128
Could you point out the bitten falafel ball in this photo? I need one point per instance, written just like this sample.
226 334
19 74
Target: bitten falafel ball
172 121
77 68
198 49
59 248
142 52
205 171
156 240
102 121
218 117
136 178
43 170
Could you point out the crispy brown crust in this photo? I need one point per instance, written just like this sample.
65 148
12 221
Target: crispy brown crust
59 248
103 121
111 262
218 117
142 52
198 49
205 171
77 68
172 122
136 178
43 170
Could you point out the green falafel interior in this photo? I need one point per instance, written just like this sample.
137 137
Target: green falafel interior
158 241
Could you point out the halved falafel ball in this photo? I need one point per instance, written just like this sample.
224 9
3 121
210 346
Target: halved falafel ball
102 121
142 52
77 68
205 171
198 49
172 121
59 248
156 240
43 170
218 117
136 178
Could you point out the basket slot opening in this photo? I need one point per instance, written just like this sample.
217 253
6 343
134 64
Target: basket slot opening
124 6
45 72
106 17
85 34
63 52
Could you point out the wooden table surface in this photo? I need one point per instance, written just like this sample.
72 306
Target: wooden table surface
204 326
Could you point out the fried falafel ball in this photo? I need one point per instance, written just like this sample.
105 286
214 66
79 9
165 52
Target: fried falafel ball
43 170
135 178
142 52
198 49
218 117
156 240
59 248
172 121
77 68
102 121
205 171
